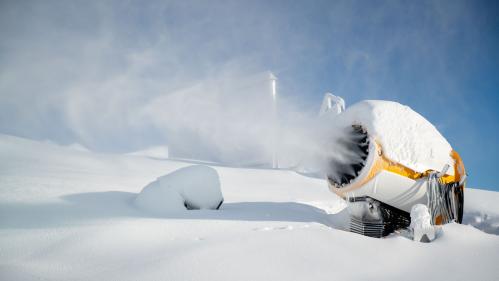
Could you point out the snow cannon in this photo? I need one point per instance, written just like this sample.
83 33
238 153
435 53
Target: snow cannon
387 159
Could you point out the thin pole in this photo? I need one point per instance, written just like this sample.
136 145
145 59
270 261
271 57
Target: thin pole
273 81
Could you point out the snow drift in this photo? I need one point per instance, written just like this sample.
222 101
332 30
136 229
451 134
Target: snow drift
193 187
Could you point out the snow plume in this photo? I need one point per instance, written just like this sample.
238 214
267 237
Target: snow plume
327 146
232 119
122 76
227 118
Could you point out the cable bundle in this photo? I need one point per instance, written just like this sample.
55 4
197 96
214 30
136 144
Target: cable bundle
440 202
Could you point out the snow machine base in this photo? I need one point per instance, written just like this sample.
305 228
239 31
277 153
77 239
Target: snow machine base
373 218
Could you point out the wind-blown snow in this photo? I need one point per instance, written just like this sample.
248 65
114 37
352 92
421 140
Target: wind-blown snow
158 152
193 187
69 215
405 135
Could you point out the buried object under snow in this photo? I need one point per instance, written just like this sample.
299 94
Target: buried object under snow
191 188
390 159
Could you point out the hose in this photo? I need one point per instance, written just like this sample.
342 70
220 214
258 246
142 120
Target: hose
440 203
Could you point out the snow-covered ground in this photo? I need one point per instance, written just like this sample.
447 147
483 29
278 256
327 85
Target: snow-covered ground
68 214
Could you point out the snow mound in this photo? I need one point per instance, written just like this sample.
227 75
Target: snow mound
405 136
193 187
481 210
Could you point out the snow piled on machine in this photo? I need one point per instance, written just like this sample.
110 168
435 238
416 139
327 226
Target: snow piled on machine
192 187
406 137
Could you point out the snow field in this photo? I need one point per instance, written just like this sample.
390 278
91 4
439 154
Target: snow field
70 215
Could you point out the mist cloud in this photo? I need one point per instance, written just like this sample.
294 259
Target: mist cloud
122 75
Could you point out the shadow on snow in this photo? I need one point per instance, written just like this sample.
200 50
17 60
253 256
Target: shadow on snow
85 208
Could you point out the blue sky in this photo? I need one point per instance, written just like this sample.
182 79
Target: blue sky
75 71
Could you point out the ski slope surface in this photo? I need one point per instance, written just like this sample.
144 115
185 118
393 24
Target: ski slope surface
68 214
